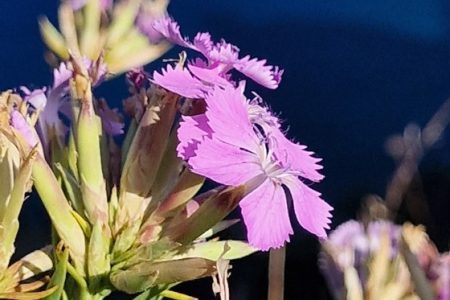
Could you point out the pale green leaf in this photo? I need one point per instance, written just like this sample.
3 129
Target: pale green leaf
214 250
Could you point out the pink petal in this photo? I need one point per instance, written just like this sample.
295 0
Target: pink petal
211 76
203 43
224 163
296 157
37 97
227 113
61 76
192 130
171 31
224 53
180 81
266 216
198 62
311 211
265 75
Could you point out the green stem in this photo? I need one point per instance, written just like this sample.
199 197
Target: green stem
89 163
59 210
78 279
176 296
84 294
10 222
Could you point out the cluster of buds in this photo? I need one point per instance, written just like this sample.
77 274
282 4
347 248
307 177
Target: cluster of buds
383 261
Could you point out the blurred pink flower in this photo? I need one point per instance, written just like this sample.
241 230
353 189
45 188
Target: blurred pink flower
49 101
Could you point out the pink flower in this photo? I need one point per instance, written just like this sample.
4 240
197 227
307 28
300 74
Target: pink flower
221 59
238 142
49 101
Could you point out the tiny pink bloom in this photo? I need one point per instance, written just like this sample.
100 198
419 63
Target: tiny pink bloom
236 149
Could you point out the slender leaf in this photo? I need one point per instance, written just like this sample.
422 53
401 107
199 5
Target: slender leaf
214 250
59 275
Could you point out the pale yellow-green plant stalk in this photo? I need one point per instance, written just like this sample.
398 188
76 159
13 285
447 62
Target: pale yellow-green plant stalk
87 131
60 212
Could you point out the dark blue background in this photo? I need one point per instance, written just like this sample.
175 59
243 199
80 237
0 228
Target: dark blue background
355 72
